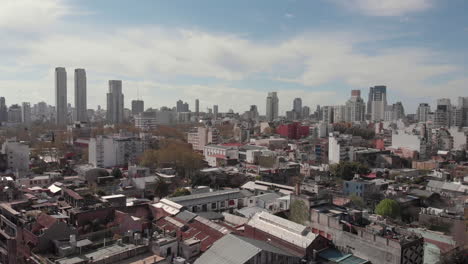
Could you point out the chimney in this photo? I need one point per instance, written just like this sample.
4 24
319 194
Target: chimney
297 189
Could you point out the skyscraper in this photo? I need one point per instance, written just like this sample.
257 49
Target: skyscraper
272 106
215 111
81 107
115 102
138 106
61 110
355 107
305 112
378 102
297 107
26 113
197 107
3 110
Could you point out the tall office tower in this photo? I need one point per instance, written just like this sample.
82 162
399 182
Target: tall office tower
422 114
179 106
3 110
272 106
378 103
115 102
186 107
297 107
81 106
339 113
369 102
197 107
61 110
398 111
305 112
26 113
215 111
355 107
463 107
327 114
138 106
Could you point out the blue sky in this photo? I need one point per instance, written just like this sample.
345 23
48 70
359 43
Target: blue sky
232 53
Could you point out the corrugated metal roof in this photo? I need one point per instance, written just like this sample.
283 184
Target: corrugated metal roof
232 249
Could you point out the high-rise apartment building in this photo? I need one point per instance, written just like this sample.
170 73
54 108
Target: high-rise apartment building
272 106
81 106
115 102
197 107
442 114
463 107
339 113
327 114
26 113
355 107
15 114
297 107
3 110
138 106
215 111
199 137
61 110
378 102
305 112
422 114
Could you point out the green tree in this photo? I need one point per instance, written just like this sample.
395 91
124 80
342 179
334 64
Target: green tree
357 201
299 212
117 173
162 189
180 192
388 208
346 170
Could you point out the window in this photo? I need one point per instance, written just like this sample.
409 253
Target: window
213 205
222 204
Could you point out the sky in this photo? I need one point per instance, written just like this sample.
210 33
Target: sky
232 53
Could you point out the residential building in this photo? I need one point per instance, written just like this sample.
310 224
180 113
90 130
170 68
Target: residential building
3 110
146 120
197 107
339 148
17 154
378 102
215 111
339 113
61 111
223 200
305 112
81 105
422 114
116 150
138 106
297 107
293 130
355 107
15 115
442 115
115 103
272 106
327 114
26 113
219 155
199 137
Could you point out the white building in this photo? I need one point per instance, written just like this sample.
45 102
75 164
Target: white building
339 113
14 114
146 120
80 96
422 114
339 148
213 153
327 114
199 137
115 102
355 108
61 108
17 155
116 150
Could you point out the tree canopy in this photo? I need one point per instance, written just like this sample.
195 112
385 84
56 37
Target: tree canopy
346 170
388 208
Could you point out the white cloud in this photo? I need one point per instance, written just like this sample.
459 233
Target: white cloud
385 7
31 15
289 15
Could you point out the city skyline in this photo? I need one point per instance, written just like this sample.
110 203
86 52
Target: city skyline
277 47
